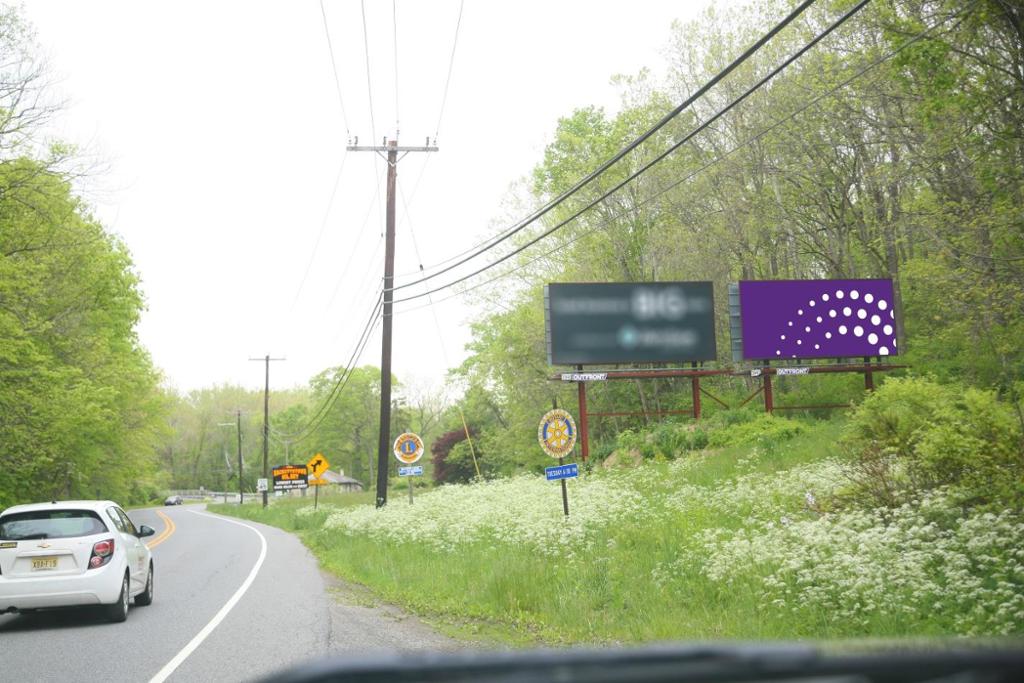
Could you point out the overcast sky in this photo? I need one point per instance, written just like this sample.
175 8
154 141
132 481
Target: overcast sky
222 135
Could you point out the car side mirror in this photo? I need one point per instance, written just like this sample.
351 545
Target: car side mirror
145 531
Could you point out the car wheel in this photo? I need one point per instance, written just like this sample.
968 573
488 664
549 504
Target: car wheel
146 596
118 611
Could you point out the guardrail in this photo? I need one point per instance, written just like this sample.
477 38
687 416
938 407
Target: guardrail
215 496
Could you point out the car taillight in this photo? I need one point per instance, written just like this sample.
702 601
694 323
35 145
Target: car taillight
102 551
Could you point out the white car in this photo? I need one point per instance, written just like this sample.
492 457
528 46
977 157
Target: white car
83 552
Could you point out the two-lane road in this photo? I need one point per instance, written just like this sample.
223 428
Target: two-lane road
233 601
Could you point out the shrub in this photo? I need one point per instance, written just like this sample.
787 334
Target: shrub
673 438
666 441
601 450
726 418
766 431
669 440
915 434
976 445
452 459
893 416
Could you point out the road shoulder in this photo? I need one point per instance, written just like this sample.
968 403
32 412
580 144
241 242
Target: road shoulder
362 622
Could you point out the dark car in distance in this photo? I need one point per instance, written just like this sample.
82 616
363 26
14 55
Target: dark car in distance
174 500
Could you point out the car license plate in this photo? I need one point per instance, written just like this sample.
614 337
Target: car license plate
44 563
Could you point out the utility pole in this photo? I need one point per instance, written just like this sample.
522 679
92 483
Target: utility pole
384 444
241 490
266 420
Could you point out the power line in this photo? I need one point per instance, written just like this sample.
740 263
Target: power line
323 226
394 32
334 66
643 169
373 286
440 116
373 316
369 84
369 91
382 303
755 138
586 180
440 336
448 80
355 247
320 414
338 388
371 264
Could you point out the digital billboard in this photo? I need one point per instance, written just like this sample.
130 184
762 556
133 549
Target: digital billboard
817 318
637 322
288 477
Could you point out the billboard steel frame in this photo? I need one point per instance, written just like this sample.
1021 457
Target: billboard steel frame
694 374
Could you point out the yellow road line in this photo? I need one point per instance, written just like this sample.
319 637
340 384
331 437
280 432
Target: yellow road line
169 528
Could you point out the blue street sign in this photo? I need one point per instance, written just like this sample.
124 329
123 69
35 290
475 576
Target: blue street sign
562 472
410 471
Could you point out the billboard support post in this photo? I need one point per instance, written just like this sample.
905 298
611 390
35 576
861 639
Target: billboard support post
869 378
769 403
581 392
695 385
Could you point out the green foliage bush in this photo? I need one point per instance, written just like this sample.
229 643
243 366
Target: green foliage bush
666 441
727 418
915 434
460 463
821 389
764 430
453 458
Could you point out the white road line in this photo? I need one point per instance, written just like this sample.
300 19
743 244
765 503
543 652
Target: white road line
219 617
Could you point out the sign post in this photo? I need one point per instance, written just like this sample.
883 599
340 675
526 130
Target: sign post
409 449
557 436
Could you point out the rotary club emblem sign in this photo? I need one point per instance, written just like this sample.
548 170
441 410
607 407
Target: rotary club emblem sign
557 433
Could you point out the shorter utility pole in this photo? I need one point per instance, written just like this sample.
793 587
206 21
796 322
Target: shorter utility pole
238 426
241 490
266 421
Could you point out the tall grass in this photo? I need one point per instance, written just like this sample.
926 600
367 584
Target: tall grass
732 543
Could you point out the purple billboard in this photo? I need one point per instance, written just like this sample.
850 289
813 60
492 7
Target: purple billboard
817 318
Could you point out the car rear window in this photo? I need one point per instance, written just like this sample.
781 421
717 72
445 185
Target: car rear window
22 526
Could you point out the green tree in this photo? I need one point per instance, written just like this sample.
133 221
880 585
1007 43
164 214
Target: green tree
81 408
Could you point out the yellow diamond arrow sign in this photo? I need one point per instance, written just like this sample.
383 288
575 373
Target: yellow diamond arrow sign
317 465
